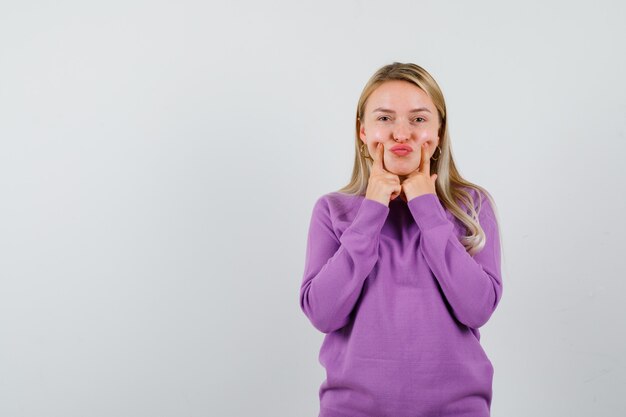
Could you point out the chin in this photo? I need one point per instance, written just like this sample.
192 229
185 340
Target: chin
403 170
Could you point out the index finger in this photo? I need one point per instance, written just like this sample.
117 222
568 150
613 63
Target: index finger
379 156
425 160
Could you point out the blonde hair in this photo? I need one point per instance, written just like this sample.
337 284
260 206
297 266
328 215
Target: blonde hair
453 191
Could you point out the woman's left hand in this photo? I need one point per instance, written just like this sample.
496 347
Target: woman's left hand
420 182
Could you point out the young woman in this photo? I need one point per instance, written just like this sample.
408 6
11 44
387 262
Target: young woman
403 265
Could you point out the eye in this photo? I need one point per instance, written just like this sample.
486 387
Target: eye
381 117
417 118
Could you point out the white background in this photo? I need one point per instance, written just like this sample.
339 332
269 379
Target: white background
159 162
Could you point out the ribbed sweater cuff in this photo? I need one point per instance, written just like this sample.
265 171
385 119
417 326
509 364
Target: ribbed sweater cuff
427 211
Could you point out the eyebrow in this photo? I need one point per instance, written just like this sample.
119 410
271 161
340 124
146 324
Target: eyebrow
380 109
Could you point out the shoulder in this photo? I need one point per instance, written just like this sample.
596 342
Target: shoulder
483 202
336 204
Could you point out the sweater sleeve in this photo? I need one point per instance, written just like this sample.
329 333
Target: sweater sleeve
471 285
336 268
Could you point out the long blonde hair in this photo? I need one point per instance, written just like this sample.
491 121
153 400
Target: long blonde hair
453 191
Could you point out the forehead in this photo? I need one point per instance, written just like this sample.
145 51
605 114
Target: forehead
400 95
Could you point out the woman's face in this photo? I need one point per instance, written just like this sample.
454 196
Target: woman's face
400 113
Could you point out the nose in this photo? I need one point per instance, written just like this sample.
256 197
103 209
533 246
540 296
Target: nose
401 132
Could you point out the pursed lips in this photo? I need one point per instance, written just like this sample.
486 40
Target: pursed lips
402 148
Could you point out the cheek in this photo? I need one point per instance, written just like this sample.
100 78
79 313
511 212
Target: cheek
429 134
372 147
373 139
377 134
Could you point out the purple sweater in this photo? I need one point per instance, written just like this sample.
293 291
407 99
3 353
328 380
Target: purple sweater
400 301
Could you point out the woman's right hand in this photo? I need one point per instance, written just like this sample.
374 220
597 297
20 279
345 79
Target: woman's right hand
383 186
